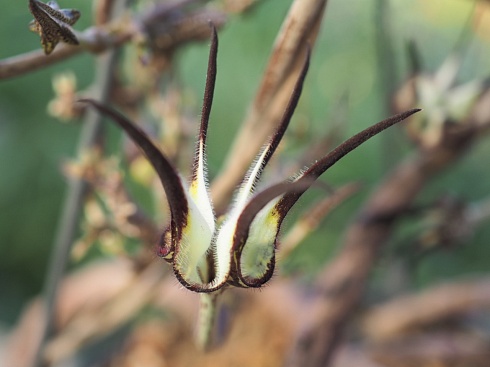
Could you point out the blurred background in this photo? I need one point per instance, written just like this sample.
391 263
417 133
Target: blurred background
346 75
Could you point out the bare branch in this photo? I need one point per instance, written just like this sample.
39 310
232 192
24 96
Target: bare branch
77 188
34 60
313 216
298 30
186 27
435 349
122 307
434 304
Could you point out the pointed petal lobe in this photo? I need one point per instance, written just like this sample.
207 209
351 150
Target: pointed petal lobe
169 177
318 168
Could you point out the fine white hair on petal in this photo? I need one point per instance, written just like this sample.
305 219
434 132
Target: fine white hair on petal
259 248
199 191
251 178
195 243
222 251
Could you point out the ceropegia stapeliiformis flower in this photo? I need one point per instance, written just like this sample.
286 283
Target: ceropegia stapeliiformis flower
240 251
53 24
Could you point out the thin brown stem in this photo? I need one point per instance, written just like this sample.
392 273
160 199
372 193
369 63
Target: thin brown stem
68 224
298 30
186 27
412 311
313 216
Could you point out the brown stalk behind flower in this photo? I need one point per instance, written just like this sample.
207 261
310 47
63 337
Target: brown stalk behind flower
88 309
299 29
412 311
442 349
312 217
123 306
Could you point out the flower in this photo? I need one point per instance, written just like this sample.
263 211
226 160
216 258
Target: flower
240 250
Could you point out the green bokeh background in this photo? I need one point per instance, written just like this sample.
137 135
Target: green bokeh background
33 144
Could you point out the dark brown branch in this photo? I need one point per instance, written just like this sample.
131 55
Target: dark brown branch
188 26
289 111
384 53
35 60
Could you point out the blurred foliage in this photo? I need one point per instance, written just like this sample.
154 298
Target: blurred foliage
33 145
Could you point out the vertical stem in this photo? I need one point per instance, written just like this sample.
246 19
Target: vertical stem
206 319
299 29
387 76
73 204
71 211
385 53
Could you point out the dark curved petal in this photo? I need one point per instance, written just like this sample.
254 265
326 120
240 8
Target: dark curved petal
168 175
197 236
242 230
289 111
208 97
318 168
255 171
286 117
